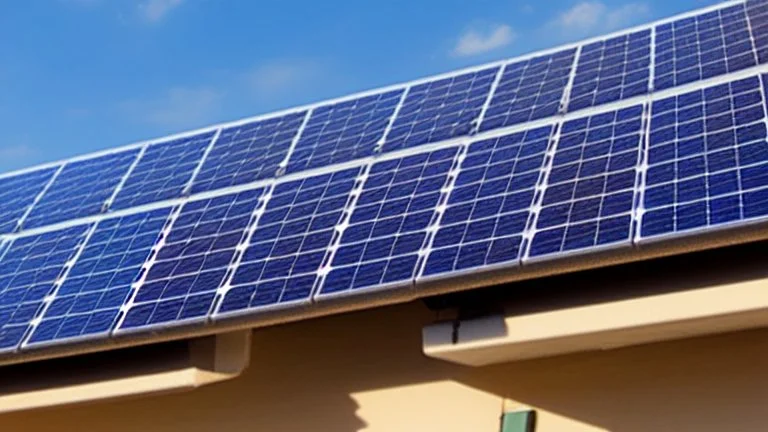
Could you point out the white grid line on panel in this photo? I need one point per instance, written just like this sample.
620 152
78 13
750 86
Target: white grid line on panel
652 62
735 147
489 99
398 107
566 99
341 227
136 286
4 246
541 188
226 286
751 33
284 163
199 167
420 149
639 210
499 63
763 83
54 292
446 191
108 203
23 218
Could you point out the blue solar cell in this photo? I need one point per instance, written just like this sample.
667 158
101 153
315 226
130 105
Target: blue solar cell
590 189
344 131
703 46
89 300
81 189
490 203
708 159
194 261
247 153
17 193
611 70
440 109
163 171
388 227
529 90
290 242
29 271
757 12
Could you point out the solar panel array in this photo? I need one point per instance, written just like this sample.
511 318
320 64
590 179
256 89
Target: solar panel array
640 136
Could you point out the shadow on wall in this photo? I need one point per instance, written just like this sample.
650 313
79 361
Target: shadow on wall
365 371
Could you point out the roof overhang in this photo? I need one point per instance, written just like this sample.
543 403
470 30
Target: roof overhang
200 362
612 324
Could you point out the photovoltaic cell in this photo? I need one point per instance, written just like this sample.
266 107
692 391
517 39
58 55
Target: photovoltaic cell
17 193
388 226
440 109
344 131
529 90
89 299
490 203
708 159
291 242
81 189
611 70
29 271
702 46
247 153
590 189
163 171
194 260
757 12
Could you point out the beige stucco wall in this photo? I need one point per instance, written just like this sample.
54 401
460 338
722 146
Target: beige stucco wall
365 372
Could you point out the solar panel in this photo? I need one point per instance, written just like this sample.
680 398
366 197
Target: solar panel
193 262
344 131
529 90
703 46
441 109
290 242
382 242
489 205
757 12
352 217
29 272
249 152
590 188
18 193
612 69
88 301
162 172
81 189
707 159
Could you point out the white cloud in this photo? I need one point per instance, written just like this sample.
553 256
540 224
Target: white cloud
475 41
21 154
590 17
17 152
155 10
282 76
179 107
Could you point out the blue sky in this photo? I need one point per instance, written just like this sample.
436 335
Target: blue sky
83 75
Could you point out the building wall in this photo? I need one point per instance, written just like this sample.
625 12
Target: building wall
365 372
